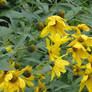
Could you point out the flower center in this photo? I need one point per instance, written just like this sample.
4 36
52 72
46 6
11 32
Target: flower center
55 25
80 39
75 49
27 73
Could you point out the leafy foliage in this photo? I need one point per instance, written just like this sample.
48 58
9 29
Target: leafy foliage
19 27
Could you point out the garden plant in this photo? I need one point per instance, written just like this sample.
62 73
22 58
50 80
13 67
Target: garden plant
45 46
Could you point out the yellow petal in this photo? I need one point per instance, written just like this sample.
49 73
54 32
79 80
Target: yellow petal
8 77
83 82
44 32
89 41
29 83
89 84
52 75
83 27
9 49
22 83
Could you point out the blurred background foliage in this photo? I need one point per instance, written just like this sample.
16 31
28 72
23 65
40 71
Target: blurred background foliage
21 22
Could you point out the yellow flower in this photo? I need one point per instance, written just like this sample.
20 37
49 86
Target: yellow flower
28 76
86 81
12 82
54 50
58 66
41 87
83 27
80 46
78 53
55 24
80 27
83 39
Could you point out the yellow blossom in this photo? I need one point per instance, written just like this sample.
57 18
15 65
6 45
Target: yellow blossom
83 39
83 27
78 53
80 27
58 67
28 76
55 24
12 82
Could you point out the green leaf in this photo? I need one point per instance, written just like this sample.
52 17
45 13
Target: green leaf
62 86
72 13
4 63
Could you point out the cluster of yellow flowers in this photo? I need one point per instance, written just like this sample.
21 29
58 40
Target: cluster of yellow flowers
57 33
16 80
11 81
56 26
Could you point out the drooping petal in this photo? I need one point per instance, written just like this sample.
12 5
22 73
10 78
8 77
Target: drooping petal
89 84
83 82
44 32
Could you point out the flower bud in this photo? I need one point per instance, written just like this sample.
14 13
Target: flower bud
40 26
31 48
61 14
3 2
